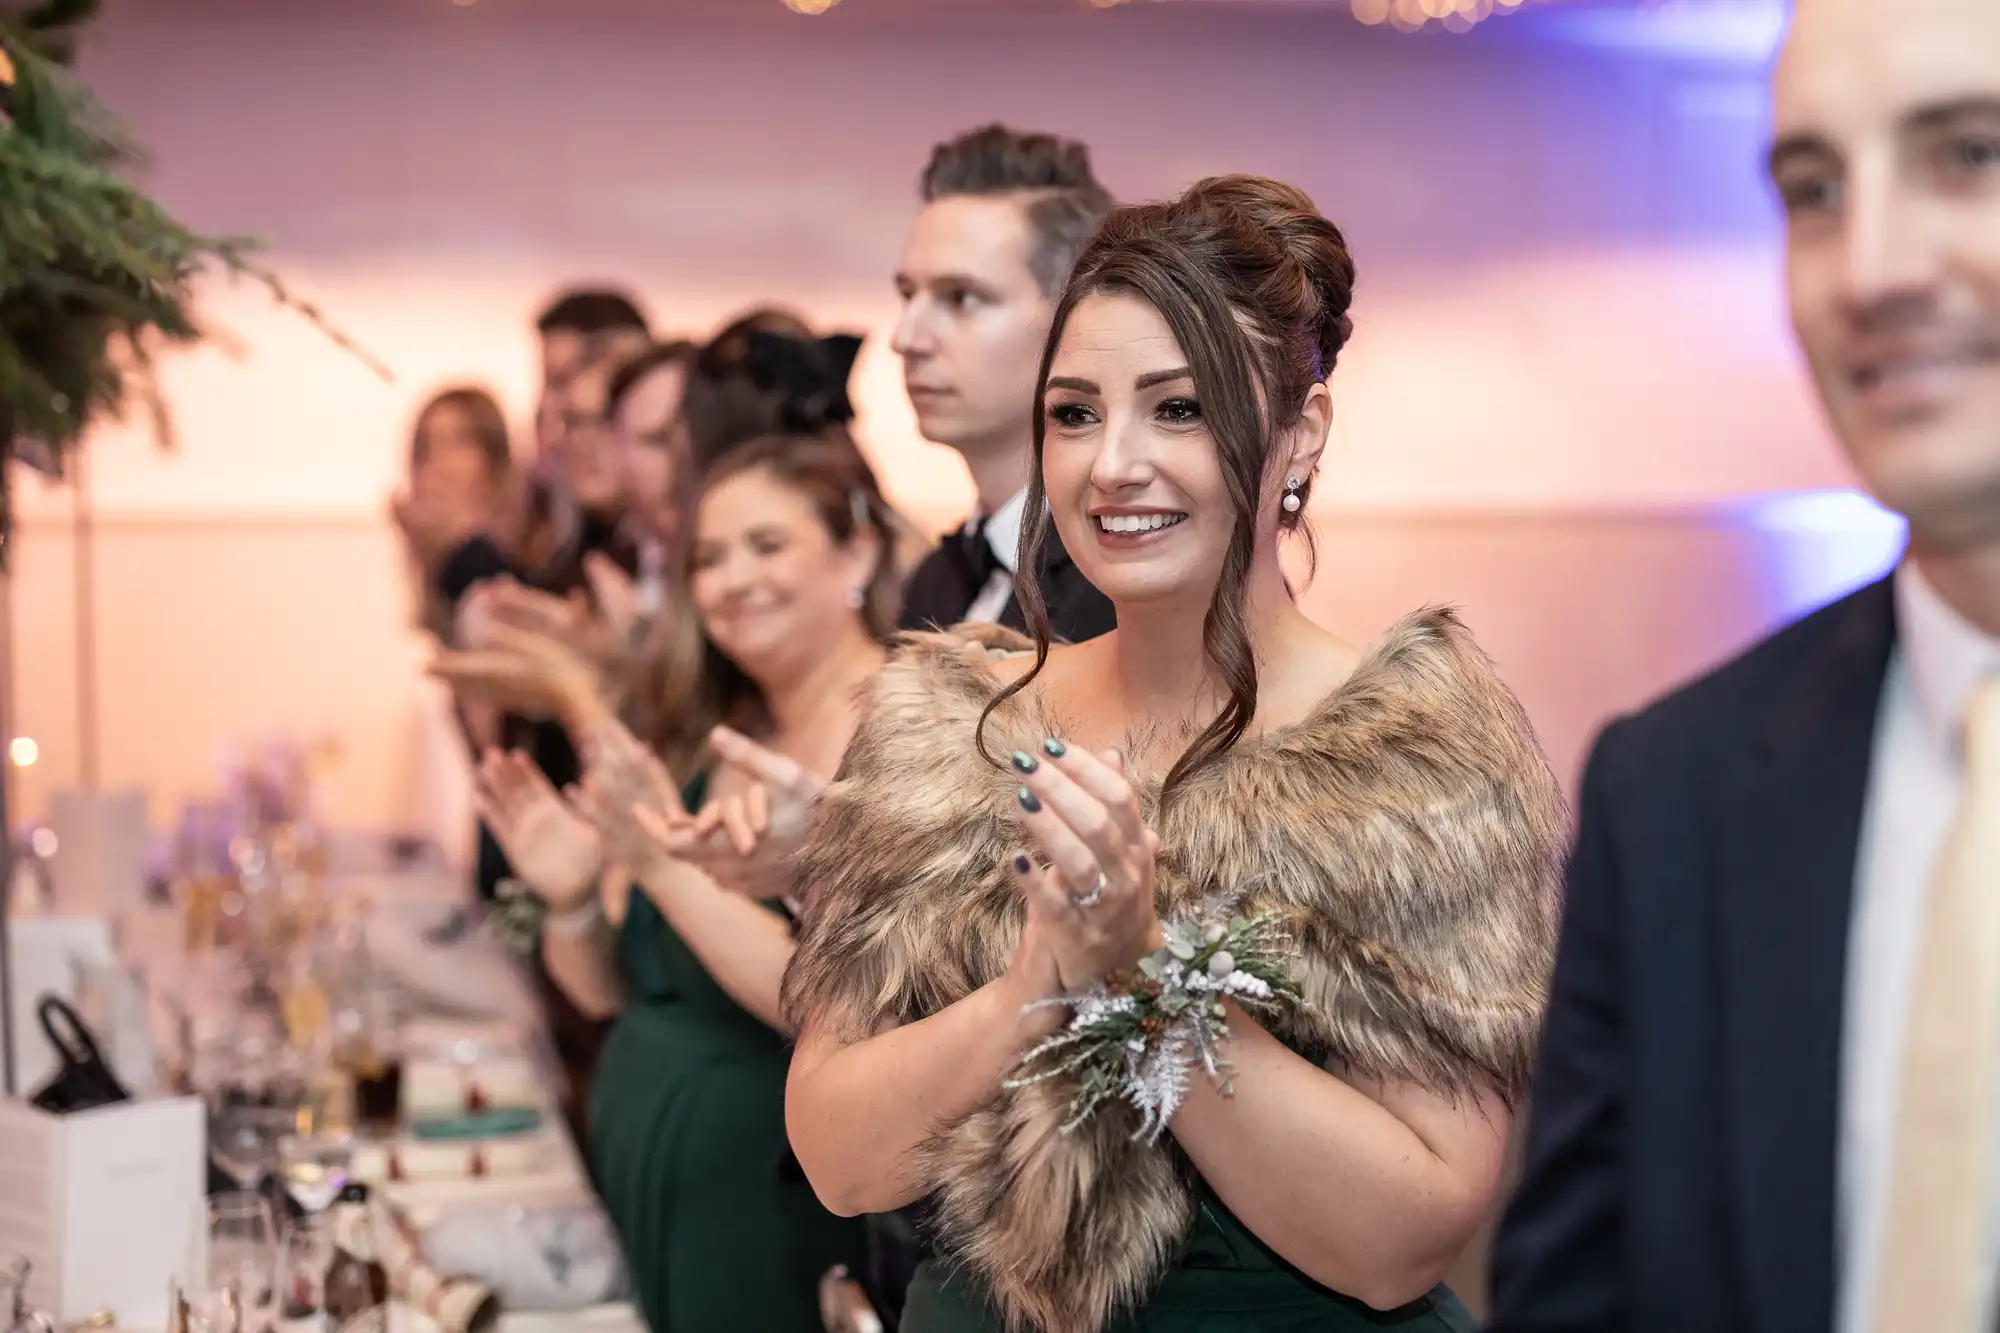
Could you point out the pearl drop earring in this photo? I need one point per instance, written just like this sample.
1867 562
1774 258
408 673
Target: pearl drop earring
1292 500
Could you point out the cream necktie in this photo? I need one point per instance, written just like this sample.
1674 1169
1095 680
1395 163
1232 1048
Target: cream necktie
1934 1277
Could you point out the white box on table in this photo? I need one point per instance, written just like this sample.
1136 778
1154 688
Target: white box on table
105 1204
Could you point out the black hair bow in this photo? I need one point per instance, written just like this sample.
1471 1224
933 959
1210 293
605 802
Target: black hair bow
810 374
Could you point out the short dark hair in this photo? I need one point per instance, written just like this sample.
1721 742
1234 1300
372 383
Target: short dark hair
590 311
1065 202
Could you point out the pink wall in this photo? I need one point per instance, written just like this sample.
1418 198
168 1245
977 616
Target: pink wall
1569 301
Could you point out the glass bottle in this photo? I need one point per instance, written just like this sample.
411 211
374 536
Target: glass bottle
356 1281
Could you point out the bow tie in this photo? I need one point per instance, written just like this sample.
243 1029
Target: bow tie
973 558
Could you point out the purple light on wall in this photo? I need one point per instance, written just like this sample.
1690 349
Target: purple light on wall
1732 31
1814 546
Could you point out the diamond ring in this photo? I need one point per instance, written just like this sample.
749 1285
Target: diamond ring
1096 892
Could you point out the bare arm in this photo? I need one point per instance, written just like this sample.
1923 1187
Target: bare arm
857 1112
1373 1190
740 943
557 852
585 963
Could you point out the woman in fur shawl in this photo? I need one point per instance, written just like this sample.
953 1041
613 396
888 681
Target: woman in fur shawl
1019 827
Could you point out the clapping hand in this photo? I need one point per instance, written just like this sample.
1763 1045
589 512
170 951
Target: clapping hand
523 671
530 609
1091 903
622 778
748 841
550 845
751 839
435 520
745 841
595 636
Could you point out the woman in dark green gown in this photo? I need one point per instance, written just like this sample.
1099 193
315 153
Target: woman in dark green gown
789 573
687 1144
1018 822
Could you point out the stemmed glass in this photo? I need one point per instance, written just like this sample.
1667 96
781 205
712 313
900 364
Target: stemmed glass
309 1251
243 1139
314 1168
236 1278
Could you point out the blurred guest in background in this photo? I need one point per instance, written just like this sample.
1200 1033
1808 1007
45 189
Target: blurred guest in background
634 641
789 574
578 329
1767 1087
567 508
642 408
1005 215
460 470
733 393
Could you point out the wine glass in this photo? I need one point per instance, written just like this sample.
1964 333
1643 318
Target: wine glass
243 1138
309 1250
314 1168
233 1285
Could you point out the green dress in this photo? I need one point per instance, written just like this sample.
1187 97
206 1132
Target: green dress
1224 1281
688 1149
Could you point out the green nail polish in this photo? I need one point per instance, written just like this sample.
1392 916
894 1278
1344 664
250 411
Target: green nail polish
1025 762
1029 801
1055 748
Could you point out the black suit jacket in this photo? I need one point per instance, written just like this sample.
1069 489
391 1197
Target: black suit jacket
1681 1149
934 597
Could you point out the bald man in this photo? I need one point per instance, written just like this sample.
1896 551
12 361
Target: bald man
1714 1142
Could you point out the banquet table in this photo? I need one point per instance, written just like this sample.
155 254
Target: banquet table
455 982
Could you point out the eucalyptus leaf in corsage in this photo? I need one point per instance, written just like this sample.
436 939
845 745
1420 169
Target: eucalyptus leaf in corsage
1140 1033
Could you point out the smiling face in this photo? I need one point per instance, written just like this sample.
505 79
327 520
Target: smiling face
1887 159
973 323
775 591
1135 480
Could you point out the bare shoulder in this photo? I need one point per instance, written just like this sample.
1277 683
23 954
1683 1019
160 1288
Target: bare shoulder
1066 662
1311 664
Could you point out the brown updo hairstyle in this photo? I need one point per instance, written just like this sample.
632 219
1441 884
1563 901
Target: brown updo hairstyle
826 467
1255 285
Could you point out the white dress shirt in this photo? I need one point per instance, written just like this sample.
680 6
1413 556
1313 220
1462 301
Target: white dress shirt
1915 780
1003 534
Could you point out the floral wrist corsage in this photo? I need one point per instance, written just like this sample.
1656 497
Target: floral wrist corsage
1139 1033
516 916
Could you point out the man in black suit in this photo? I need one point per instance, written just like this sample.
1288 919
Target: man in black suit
1005 215
1714 1137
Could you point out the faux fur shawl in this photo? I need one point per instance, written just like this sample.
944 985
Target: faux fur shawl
1408 831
